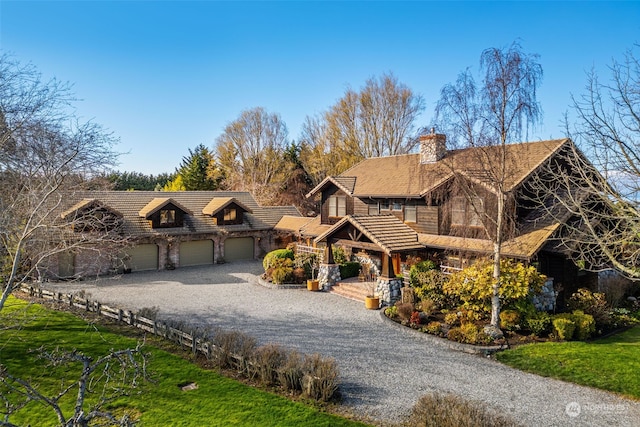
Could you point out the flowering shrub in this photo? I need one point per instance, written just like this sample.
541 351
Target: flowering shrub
474 285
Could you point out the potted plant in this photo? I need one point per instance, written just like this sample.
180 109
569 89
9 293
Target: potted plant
310 262
372 300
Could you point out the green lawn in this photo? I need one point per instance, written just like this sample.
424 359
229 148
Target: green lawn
611 363
217 400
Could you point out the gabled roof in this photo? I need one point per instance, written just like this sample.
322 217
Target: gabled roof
85 204
302 226
218 203
158 203
404 176
130 204
345 183
386 231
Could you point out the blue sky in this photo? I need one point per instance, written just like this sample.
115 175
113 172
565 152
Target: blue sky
167 76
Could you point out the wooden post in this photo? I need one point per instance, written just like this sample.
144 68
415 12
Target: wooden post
131 317
330 259
387 267
87 305
120 315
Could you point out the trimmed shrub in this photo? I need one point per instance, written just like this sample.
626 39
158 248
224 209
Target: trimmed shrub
269 258
415 318
291 372
447 410
339 256
434 328
266 361
510 320
451 319
282 270
391 312
593 303
405 310
474 285
563 327
539 323
349 269
232 350
320 378
585 325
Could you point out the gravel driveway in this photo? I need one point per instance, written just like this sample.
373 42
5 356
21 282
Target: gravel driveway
384 368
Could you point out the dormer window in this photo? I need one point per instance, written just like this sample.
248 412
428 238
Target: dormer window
226 211
164 213
337 206
229 215
167 217
90 215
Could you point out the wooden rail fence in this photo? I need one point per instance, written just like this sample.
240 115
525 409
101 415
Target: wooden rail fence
184 339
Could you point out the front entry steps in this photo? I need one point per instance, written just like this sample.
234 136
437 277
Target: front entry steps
356 291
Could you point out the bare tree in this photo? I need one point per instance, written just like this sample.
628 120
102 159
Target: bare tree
100 381
599 191
46 156
489 119
376 121
250 151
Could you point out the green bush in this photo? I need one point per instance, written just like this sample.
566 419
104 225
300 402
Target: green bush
282 270
538 323
428 285
474 285
269 258
592 303
447 410
585 325
349 269
417 268
510 320
339 257
434 328
563 327
391 312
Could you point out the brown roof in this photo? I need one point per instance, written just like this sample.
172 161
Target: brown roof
406 176
131 204
303 226
158 203
218 203
524 246
386 231
85 204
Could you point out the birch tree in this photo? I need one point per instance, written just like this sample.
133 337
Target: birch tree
498 112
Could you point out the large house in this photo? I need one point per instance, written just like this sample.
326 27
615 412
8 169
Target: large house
163 230
441 204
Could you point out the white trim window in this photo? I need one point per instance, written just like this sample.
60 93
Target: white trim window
467 212
374 208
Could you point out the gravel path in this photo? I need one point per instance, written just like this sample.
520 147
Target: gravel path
384 368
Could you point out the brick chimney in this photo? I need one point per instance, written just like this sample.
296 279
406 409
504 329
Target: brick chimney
433 147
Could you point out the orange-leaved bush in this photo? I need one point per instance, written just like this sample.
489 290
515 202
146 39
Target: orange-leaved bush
474 285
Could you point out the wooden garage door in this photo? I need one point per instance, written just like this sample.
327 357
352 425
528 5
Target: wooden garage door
238 248
197 252
142 257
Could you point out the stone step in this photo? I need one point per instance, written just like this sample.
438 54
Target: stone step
356 291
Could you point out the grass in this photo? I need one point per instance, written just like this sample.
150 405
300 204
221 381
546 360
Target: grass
218 400
610 363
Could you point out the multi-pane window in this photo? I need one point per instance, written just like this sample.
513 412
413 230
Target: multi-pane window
384 205
337 206
467 212
167 217
397 205
229 214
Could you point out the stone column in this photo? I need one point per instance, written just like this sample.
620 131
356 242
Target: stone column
388 289
328 275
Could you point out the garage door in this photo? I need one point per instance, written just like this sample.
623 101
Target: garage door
197 252
142 257
238 248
